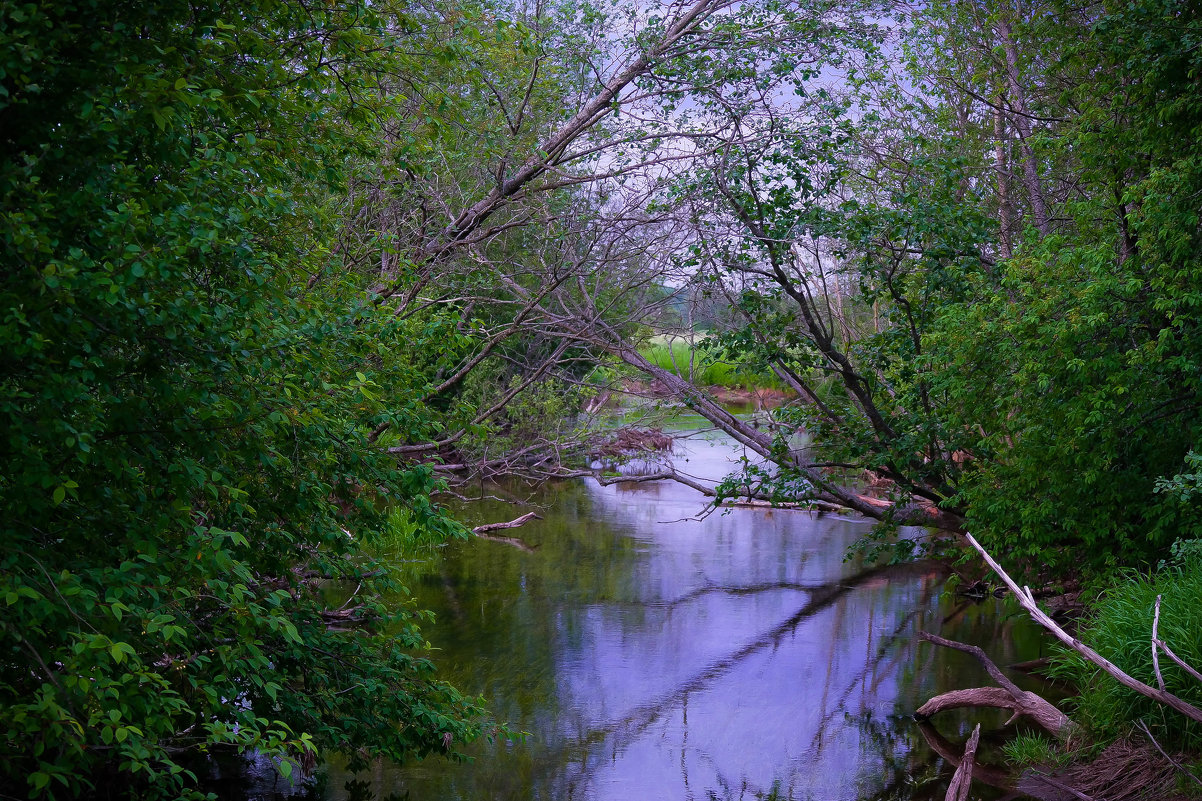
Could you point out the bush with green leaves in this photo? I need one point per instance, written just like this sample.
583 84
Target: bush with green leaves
187 463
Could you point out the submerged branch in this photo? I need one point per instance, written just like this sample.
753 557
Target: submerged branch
1007 695
957 790
484 532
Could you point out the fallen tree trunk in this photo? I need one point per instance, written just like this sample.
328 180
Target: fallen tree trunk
1027 601
922 511
1028 705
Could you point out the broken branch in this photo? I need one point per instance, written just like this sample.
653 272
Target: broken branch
957 790
1155 649
1027 601
1007 696
483 532
515 523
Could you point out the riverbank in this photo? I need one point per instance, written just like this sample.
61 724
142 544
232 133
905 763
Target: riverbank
1134 731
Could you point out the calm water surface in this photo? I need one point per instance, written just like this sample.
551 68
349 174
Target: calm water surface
653 654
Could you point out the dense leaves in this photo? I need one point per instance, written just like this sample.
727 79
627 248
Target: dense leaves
187 473
986 289
1082 361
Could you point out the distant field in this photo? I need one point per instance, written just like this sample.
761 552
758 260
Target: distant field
676 355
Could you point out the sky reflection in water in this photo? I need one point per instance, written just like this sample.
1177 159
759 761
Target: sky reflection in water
651 654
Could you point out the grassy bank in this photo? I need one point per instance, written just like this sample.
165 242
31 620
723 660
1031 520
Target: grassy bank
692 361
1127 745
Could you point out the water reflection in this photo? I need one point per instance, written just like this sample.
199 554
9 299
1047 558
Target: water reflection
654 654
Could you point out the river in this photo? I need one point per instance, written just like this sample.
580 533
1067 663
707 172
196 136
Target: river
654 652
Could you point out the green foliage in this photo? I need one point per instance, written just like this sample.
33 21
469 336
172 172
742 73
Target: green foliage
1119 626
705 367
1081 414
1030 750
885 544
544 413
1079 365
187 456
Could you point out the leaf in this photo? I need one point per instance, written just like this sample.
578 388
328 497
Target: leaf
119 650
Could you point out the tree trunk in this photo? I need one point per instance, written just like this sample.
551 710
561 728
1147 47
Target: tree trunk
1022 124
1003 182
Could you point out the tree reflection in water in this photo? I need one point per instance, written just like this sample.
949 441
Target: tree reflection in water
735 656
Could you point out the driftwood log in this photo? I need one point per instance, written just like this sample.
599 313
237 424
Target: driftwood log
957 790
484 532
1007 695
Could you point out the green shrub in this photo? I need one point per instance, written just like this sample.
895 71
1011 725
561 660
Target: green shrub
187 461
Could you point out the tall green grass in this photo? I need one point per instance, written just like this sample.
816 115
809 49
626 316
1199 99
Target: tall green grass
694 363
1119 627
1033 749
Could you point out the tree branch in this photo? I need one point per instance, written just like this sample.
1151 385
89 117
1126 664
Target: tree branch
1027 601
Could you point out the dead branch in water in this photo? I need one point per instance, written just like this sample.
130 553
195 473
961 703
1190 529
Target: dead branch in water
985 773
515 523
483 531
1027 601
1032 665
629 440
957 790
1007 695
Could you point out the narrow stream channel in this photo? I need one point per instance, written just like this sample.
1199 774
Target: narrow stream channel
653 654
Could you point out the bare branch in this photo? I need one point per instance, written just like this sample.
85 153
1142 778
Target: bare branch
1027 601
1009 696
1155 649
515 523
483 532
1144 728
957 790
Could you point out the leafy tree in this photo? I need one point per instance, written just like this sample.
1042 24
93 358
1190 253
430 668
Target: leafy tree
188 473
1080 365
981 294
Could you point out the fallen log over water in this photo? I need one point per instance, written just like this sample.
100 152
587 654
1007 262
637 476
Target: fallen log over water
1027 601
